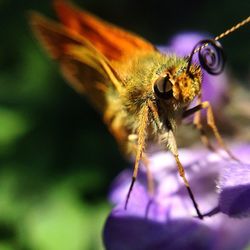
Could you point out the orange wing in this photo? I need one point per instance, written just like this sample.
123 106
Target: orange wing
113 42
85 47
84 68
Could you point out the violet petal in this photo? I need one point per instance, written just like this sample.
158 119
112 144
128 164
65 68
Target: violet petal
140 233
235 190
167 223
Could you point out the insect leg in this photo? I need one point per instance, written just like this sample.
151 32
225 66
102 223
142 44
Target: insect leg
172 146
141 132
150 180
198 124
191 195
211 123
132 138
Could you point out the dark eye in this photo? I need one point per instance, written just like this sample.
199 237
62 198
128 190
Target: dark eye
163 88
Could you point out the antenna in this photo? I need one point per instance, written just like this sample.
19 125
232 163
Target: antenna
210 52
234 28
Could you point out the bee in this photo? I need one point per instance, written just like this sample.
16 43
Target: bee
142 94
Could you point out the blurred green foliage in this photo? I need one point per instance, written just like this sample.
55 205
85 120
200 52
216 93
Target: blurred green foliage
57 158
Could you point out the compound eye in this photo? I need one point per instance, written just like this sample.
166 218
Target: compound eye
163 88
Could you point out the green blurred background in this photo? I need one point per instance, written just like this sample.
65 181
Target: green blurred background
57 158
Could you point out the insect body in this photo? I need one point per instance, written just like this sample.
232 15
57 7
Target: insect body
142 94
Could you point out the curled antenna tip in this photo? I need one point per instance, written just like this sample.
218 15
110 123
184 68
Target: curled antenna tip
210 52
211 56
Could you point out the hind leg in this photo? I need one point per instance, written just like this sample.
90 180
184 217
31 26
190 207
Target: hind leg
211 123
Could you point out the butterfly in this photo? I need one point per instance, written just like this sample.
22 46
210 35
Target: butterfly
141 94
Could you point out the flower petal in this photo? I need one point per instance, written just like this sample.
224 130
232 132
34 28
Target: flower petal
141 233
235 190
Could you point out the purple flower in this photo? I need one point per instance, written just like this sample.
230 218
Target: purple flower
167 221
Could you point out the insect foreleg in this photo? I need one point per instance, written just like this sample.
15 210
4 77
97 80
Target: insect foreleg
172 146
169 139
141 132
132 138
